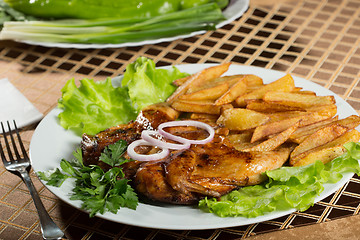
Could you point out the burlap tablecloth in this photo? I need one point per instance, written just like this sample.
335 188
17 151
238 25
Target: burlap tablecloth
318 40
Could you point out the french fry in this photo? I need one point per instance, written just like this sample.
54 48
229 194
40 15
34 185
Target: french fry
308 118
325 155
253 81
272 128
318 138
326 152
180 81
164 108
306 92
231 94
278 116
196 106
211 93
198 79
241 119
298 100
323 113
213 117
303 132
273 142
265 107
350 122
254 116
225 107
230 80
285 84
297 89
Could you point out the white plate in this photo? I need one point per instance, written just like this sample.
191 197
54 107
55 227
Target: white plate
51 143
234 10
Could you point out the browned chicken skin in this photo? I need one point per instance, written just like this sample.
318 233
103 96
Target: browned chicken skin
185 176
214 169
151 182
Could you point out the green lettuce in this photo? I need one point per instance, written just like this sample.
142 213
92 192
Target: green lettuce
95 106
148 85
286 188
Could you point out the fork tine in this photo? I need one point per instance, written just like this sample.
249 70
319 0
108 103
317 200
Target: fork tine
20 141
13 141
1 147
7 143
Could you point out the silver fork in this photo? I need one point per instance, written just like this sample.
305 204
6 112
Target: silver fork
21 165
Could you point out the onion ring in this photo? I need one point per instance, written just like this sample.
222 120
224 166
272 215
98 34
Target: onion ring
146 135
142 157
193 123
147 139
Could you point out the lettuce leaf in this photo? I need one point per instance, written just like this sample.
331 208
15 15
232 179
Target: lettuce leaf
286 188
148 85
95 106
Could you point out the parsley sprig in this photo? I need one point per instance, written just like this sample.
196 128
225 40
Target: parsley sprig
99 191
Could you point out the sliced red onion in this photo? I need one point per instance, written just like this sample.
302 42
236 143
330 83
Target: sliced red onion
142 157
148 136
149 140
197 124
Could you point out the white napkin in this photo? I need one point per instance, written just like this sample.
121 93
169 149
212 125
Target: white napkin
15 106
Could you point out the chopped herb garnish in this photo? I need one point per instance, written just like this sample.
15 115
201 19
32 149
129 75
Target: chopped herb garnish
99 191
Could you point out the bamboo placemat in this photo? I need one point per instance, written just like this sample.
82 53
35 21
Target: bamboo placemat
314 39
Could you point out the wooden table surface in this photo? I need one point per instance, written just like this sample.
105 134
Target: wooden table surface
318 40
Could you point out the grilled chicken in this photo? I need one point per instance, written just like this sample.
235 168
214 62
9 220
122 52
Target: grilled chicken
151 182
212 169
215 169
149 118
184 176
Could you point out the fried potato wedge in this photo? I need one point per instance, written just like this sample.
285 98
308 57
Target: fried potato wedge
308 118
241 119
318 138
211 93
326 152
350 122
265 107
297 100
196 106
307 92
325 155
180 81
164 108
272 128
229 80
285 84
274 142
204 116
198 79
303 132
253 81
233 92
278 116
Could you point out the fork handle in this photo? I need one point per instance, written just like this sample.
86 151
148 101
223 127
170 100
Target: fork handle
49 229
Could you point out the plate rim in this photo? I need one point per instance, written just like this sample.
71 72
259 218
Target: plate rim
221 223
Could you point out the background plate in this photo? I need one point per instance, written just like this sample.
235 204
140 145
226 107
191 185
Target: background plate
235 9
50 143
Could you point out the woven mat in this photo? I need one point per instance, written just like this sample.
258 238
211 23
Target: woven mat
314 39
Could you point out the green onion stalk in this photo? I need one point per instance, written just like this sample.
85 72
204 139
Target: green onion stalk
113 30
